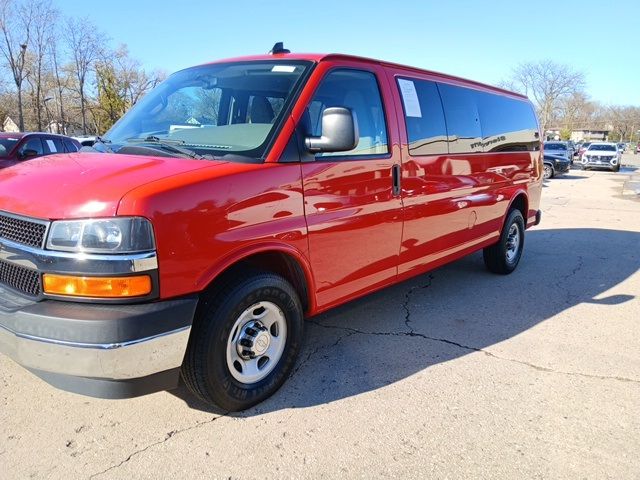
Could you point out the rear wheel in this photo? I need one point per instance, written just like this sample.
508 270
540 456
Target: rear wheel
244 341
503 256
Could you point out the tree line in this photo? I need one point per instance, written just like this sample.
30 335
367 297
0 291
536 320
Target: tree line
60 73
559 94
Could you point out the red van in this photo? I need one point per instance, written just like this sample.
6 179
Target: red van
238 198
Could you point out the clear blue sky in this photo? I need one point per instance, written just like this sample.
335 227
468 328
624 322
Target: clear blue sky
481 40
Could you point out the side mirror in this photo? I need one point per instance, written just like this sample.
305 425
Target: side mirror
28 153
339 132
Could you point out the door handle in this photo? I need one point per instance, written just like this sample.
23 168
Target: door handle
396 174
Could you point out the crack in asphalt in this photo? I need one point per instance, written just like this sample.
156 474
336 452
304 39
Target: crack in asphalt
412 333
168 436
354 331
407 299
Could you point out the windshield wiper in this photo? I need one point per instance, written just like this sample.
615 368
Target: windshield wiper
171 146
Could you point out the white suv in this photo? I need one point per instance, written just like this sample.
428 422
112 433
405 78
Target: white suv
601 155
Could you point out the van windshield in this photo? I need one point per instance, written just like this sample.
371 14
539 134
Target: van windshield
218 109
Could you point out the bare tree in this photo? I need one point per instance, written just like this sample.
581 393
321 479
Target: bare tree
84 42
15 28
42 37
547 83
59 84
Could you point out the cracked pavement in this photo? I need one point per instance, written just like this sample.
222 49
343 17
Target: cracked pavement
454 374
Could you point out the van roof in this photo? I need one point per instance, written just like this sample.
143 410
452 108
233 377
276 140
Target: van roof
319 57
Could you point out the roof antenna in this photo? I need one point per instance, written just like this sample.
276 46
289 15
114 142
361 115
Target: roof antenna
278 48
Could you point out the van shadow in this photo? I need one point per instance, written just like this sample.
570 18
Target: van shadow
457 309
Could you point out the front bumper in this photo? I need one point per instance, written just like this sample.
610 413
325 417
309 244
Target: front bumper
107 351
599 164
562 167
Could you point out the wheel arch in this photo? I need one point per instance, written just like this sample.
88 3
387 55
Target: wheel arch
520 201
283 260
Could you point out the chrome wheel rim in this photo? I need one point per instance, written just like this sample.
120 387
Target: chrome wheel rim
513 242
547 172
256 342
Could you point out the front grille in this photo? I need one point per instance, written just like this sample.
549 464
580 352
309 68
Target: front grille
22 231
20 278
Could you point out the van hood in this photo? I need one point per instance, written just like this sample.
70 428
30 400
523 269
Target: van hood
81 185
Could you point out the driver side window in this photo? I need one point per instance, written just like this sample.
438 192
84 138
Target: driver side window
358 91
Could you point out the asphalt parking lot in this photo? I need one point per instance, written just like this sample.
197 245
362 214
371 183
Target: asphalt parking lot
456 374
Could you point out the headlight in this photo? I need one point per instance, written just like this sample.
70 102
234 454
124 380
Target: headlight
102 235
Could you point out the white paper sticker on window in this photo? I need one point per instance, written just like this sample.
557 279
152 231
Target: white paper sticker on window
410 98
284 68
52 146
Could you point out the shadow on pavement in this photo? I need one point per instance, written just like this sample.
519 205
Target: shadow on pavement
455 310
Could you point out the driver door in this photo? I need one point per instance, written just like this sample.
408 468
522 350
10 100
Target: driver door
353 211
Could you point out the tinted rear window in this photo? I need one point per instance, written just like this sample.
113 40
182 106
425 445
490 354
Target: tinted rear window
507 124
463 122
426 128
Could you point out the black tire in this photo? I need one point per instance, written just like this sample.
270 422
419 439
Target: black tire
547 171
495 256
205 369
616 168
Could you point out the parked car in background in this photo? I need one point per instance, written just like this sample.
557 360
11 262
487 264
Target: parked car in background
601 155
572 147
583 148
17 147
622 147
561 149
86 140
637 149
554 165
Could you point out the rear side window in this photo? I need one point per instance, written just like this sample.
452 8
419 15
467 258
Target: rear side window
424 117
53 145
358 91
70 146
507 124
463 122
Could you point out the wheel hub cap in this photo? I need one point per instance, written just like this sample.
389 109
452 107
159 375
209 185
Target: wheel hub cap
253 341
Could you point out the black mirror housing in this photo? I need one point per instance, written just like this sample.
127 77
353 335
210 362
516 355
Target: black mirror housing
28 153
339 132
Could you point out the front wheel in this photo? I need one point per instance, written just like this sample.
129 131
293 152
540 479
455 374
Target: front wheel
547 173
503 256
244 341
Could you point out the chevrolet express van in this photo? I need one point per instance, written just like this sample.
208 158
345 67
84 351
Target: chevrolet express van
238 198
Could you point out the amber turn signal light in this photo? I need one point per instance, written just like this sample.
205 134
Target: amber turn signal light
103 287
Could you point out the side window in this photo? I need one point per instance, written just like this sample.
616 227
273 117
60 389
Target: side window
69 146
53 145
424 118
461 114
33 143
508 124
358 91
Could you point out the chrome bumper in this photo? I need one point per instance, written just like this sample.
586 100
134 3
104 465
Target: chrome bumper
113 361
106 351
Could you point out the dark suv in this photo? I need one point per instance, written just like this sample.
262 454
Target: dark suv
16 147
